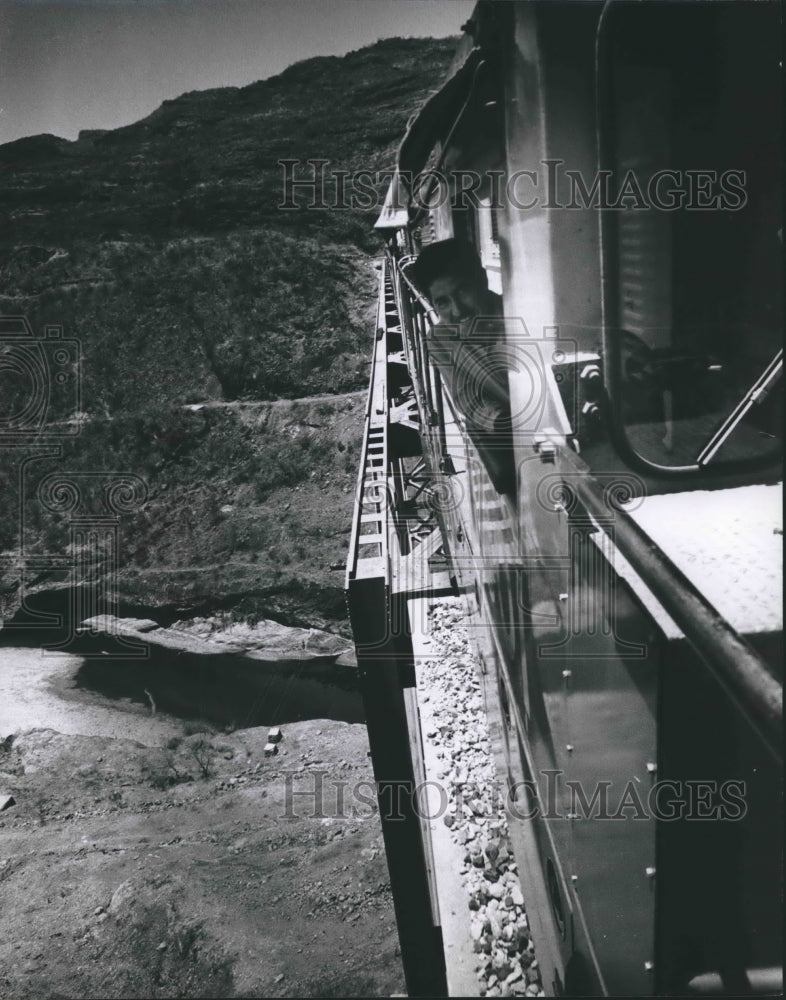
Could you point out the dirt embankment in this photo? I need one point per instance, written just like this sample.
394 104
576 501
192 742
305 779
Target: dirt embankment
171 862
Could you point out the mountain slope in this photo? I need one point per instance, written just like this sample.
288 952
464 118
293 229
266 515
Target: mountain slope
170 230
161 249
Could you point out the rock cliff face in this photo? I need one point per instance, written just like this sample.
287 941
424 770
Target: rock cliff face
218 344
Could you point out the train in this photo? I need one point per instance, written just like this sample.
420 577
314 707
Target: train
616 168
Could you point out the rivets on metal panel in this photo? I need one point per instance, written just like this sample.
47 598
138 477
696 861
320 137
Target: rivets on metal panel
569 747
574 879
652 768
649 872
649 966
563 597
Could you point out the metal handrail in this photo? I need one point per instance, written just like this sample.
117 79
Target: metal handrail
435 392
730 659
734 664
356 538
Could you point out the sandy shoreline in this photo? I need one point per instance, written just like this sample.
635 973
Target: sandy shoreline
38 691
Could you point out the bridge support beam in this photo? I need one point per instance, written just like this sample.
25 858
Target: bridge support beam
386 668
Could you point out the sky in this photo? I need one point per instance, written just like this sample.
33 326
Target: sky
67 65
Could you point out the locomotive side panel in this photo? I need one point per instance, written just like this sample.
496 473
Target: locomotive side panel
614 659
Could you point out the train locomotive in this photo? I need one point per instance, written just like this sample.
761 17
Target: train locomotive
616 166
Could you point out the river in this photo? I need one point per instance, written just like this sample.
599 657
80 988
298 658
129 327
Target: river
148 699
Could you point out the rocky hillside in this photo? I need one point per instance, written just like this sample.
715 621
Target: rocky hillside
196 302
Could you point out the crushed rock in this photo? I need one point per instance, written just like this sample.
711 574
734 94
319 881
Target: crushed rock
505 964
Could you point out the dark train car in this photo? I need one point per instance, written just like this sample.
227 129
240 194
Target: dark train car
617 167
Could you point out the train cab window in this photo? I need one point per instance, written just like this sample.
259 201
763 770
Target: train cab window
479 225
690 119
488 242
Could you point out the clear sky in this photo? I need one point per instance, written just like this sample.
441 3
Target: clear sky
67 65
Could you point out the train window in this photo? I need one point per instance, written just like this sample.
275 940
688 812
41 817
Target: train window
464 224
555 895
478 224
689 113
488 242
473 156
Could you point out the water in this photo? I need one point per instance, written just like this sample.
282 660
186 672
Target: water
91 692
229 690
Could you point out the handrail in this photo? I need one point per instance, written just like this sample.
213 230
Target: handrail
410 339
755 394
425 313
429 313
491 456
421 299
729 658
370 424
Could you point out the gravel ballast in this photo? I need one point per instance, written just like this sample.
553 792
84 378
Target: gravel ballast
454 725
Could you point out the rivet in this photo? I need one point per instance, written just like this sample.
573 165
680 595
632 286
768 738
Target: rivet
566 673
574 879
563 597
652 768
649 872
569 747
649 966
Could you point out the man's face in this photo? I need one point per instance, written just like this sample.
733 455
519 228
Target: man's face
456 299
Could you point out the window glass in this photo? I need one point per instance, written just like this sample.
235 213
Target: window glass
690 123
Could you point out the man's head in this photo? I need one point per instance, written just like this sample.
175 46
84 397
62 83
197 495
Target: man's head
452 278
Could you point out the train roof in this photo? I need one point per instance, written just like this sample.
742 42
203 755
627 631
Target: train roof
430 124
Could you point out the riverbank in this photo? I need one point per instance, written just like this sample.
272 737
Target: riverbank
149 855
39 688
